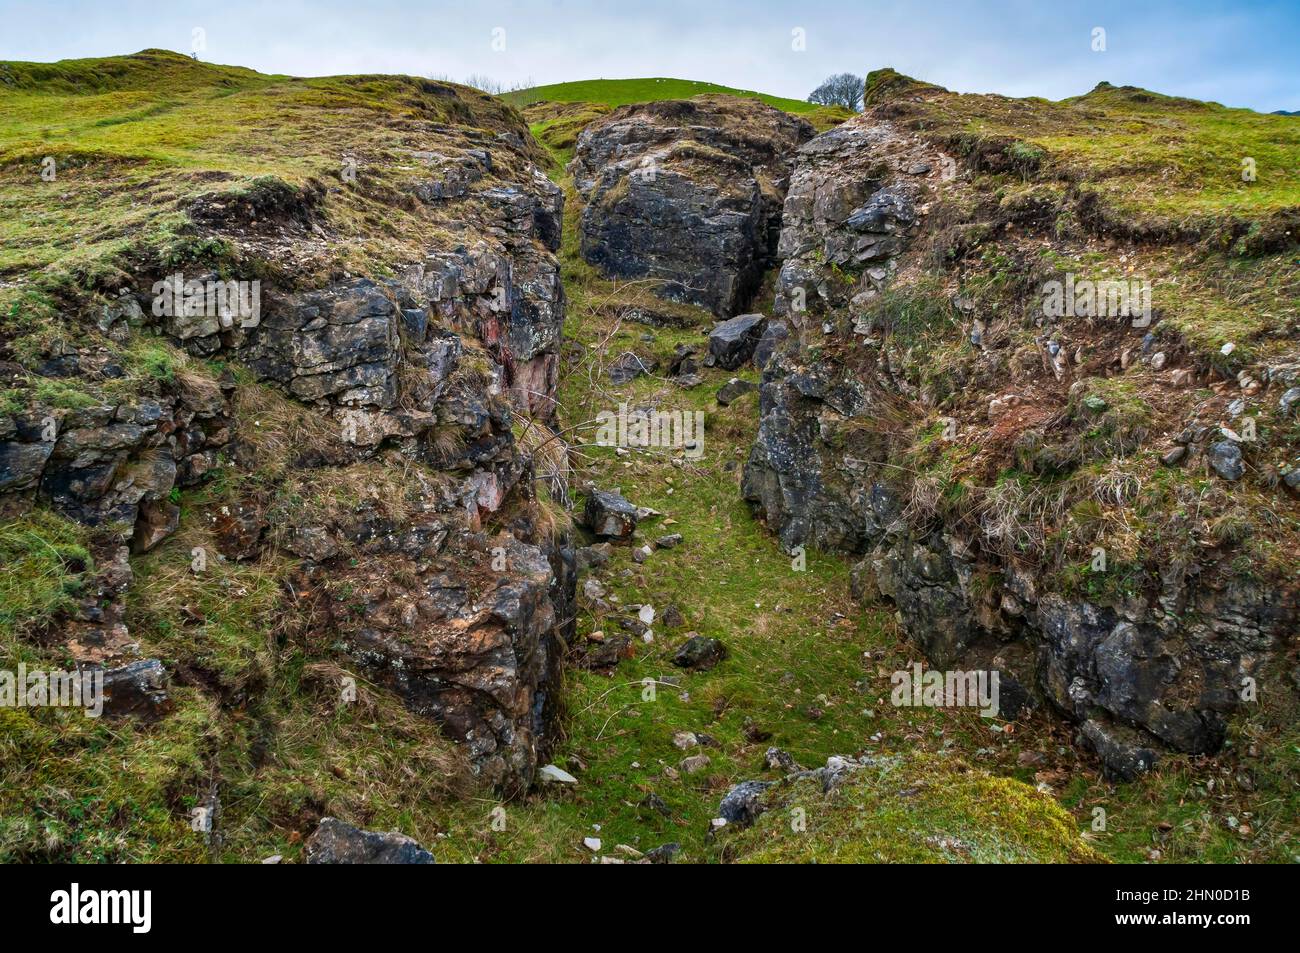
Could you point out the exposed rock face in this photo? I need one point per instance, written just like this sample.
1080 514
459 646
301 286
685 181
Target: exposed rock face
931 583
851 208
101 465
1161 668
688 192
425 365
335 842
807 491
773 334
467 629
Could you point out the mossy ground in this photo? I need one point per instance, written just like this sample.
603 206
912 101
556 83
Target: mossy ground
916 810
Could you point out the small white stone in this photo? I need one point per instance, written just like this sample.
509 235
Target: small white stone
550 772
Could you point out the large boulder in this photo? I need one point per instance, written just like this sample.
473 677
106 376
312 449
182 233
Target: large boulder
688 192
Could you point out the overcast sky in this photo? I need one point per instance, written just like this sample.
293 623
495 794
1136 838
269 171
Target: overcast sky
1244 53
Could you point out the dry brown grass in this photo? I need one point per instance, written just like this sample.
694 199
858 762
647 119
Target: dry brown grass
277 428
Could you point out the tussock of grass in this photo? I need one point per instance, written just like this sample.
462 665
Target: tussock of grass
45 562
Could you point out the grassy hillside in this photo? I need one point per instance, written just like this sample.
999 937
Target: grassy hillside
557 113
1154 156
621 92
132 138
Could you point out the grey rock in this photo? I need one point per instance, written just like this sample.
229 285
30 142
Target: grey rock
335 842
593 557
1225 458
732 342
604 655
157 521
694 764
687 192
21 464
774 334
742 805
930 582
778 760
137 690
700 653
629 366
1123 756
734 389
1174 456
683 362
607 514
664 854
313 542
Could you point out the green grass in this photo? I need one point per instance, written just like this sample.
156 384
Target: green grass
622 92
44 558
135 138
1149 155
